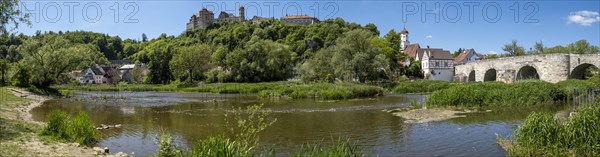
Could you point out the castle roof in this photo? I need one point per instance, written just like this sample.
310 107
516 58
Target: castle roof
404 31
297 17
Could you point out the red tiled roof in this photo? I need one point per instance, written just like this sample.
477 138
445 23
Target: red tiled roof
411 50
404 31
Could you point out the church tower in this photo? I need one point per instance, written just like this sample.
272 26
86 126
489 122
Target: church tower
242 14
404 39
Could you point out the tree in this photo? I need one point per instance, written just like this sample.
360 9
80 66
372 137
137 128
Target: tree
261 60
190 62
144 37
513 49
539 47
48 58
355 57
160 56
457 52
582 47
4 65
372 28
10 13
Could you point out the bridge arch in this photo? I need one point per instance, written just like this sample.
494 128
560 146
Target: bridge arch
471 76
490 75
527 72
579 72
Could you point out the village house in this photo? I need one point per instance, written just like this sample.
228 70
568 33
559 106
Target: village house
467 56
132 73
299 19
97 74
436 64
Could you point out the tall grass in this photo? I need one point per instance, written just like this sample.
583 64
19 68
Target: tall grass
78 129
421 86
337 149
497 94
542 135
290 89
218 146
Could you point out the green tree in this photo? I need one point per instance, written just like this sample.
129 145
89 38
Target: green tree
513 49
372 28
10 13
160 56
261 60
457 52
355 57
4 65
190 62
47 59
539 47
582 47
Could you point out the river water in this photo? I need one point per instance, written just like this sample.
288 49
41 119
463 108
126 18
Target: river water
190 117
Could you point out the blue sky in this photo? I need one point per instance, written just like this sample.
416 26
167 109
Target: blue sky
552 22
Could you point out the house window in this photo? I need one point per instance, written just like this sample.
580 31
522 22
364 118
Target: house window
445 64
437 64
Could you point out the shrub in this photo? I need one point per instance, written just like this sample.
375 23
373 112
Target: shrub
79 129
218 146
542 135
167 147
57 124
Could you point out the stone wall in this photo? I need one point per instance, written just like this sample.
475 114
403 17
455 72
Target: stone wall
551 67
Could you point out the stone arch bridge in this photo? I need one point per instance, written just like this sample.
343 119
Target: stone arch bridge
550 67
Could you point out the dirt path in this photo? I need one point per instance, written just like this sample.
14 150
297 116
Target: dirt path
35 101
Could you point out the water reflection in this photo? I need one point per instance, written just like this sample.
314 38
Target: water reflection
194 116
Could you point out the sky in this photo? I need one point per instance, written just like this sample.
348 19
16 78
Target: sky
482 25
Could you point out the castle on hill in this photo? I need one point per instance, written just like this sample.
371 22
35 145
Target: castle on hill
204 18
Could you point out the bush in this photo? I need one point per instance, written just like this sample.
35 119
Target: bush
57 125
497 94
82 131
218 146
542 135
167 147
79 130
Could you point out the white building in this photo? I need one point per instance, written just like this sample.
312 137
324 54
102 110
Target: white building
467 56
437 64
404 39
299 19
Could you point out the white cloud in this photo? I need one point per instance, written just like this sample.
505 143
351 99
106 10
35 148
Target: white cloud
429 37
492 52
584 17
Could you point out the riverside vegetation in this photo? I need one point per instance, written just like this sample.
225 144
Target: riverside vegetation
543 135
248 123
77 129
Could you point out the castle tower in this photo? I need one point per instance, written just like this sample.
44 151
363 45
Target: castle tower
242 14
404 39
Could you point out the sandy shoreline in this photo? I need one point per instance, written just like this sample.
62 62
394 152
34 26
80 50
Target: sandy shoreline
36 100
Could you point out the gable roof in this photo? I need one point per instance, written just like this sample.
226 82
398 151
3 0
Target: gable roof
462 56
437 54
411 50
297 17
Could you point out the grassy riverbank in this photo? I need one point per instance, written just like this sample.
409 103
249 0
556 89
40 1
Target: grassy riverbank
21 136
497 94
329 91
543 135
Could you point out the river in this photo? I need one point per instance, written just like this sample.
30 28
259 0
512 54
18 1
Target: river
193 116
